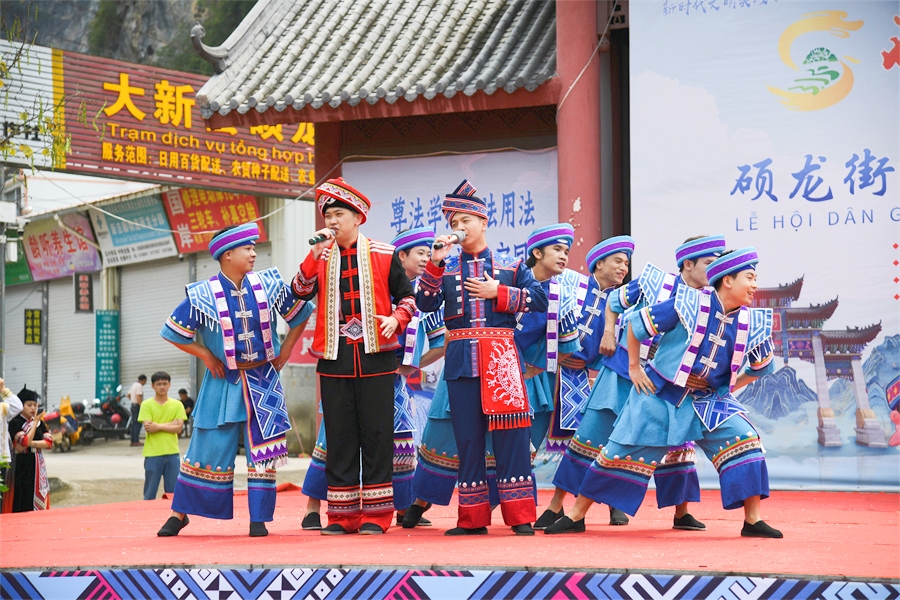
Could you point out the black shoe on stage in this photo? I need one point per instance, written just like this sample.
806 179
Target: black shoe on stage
566 525
333 529
370 529
760 530
548 518
172 526
413 516
311 522
464 531
258 530
523 529
689 523
617 517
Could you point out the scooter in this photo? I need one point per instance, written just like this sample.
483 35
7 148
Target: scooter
108 419
64 424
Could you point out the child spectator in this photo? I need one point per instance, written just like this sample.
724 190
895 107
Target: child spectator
163 419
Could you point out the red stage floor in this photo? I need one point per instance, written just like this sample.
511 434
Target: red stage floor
829 535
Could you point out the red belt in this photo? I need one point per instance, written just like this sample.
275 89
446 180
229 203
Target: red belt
476 333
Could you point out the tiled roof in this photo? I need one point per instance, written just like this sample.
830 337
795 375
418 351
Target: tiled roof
298 53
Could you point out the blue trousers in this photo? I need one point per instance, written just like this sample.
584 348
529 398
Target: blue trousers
163 467
512 450
206 482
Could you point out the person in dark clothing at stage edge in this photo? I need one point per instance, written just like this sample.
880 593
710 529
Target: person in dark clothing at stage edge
481 292
355 280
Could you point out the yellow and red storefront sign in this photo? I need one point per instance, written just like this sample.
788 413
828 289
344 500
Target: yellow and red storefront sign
192 211
141 123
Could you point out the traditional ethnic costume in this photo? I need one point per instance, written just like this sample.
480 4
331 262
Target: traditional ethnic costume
483 372
676 476
546 336
423 327
29 484
357 364
589 436
236 322
694 368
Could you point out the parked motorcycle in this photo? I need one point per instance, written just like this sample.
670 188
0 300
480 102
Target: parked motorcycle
107 419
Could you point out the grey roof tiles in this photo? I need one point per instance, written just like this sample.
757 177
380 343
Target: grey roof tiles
298 53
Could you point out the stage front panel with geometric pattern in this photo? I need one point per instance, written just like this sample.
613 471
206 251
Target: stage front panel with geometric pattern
330 584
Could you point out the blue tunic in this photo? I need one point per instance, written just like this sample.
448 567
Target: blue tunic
221 400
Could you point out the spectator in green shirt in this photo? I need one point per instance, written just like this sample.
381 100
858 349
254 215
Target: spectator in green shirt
163 418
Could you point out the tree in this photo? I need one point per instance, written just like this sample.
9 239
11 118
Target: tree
33 132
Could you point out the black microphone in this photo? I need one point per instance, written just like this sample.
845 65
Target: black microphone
319 238
459 234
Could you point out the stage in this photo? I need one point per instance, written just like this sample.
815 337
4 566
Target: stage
836 545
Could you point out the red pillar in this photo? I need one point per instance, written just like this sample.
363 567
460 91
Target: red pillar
578 124
328 156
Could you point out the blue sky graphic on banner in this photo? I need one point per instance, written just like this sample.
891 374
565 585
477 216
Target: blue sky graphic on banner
122 242
520 189
776 124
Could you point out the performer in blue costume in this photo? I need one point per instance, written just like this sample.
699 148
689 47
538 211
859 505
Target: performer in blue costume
421 345
676 477
481 293
546 338
608 264
233 313
684 393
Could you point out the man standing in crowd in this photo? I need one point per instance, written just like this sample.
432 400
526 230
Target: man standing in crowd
233 312
136 395
355 281
608 264
163 418
413 248
481 293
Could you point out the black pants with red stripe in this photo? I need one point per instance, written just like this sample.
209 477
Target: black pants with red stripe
359 431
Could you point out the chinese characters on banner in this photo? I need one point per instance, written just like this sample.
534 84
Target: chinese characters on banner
33 329
84 292
107 356
141 234
151 130
55 251
520 189
192 211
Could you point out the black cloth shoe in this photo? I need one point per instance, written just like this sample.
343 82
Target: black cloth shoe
464 531
258 530
370 529
548 518
688 523
413 516
617 517
566 525
311 522
760 530
173 526
523 529
333 529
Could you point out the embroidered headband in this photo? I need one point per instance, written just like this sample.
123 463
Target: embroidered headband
235 237
560 233
418 236
620 243
711 245
337 192
464 200
732 264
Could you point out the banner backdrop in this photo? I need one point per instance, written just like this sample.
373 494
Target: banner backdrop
520 189
776 124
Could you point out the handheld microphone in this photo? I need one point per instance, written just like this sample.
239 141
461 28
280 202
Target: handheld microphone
459 234
318 238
